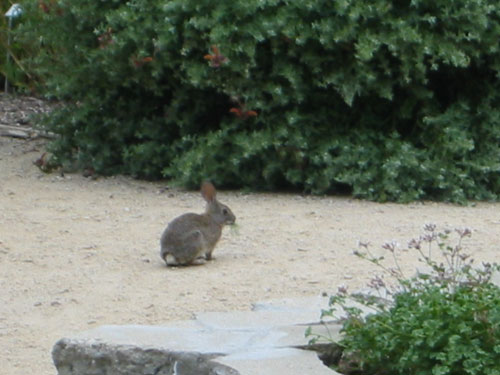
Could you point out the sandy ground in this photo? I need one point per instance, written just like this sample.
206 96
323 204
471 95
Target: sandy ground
76 253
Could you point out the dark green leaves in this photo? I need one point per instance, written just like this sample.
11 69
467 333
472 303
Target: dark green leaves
387 100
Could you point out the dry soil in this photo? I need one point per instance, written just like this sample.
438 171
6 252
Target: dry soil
76 253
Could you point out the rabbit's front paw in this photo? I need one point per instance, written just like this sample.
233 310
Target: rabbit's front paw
198 261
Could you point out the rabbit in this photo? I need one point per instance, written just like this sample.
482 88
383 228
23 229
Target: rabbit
191 236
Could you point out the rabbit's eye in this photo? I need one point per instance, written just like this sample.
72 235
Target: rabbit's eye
224 211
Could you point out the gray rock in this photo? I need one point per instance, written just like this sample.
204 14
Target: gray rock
277 362
269 340
75 357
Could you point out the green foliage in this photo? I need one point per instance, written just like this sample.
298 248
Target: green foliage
388 100
431 331
4 6
12 70
444 322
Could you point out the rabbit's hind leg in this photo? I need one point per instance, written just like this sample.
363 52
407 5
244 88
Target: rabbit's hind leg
193 245
171 260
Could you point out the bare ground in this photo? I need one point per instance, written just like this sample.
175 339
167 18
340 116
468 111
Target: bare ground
76 253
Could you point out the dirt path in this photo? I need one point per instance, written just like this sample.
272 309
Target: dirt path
76 253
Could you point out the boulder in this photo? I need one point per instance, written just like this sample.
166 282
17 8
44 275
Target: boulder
269 340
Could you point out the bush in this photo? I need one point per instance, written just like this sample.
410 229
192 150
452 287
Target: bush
390 101
444 322
6 70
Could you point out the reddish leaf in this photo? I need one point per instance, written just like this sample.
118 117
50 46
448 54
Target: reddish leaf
216 58
106 38
140 62
236 111
43 6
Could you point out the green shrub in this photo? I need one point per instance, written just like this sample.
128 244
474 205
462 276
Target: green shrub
12 70
390 101
3 40
442 322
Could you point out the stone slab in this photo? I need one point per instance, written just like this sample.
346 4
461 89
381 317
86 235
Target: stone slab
200 340
208 341
250 320
268 340
284 361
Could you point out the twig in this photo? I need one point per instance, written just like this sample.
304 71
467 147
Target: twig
24 132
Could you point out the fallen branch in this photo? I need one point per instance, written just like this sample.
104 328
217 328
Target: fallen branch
23 132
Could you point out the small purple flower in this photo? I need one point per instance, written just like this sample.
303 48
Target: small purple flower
430 227
377 283
342 290
414 244
391 246
363 244
465 232
429 237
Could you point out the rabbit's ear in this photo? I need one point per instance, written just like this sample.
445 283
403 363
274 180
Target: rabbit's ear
208 191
